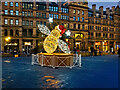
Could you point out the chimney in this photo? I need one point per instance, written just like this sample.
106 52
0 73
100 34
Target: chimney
113 9
108 12
117 10
101 10
94 9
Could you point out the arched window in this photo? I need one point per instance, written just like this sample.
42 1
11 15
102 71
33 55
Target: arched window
17 33
11 32
5 33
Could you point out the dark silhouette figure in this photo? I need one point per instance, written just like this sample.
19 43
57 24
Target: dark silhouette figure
92 50
119 52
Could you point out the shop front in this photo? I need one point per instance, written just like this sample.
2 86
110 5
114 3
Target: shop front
27 47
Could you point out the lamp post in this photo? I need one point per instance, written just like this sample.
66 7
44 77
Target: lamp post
7 39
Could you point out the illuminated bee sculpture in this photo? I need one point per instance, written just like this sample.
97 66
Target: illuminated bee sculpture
52 40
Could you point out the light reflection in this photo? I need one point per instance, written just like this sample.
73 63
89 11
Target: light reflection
7 61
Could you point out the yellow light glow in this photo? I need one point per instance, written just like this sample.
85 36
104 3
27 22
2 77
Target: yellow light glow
27 43
7 39
66 40
16 55
81 35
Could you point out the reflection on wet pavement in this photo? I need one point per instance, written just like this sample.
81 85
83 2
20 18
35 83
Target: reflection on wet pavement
97 72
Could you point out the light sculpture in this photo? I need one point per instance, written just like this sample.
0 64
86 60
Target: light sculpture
52 40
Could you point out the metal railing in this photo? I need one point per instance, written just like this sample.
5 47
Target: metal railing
76 62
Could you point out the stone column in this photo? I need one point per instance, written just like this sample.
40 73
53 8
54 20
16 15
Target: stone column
20 45
101 45
8 32
114 46
20 32
108 45
34 43
34 32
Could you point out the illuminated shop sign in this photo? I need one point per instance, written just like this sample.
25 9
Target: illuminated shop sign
27 43
15 44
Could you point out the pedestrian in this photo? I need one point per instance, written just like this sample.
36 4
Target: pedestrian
75 50
92 50
119 52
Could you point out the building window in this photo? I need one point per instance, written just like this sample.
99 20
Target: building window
74 11
78 18
11 32
65 10
43 15
27 23
82 12
6 4
23 23
74 18
78 11
51 8
11 12
17 12
28 13
11 21
44 23
31 23
40 22
11 3
23 13
6 11
82 19
78 26
37 14
16 22
31 14
74 26
17 33
6 21
37 23
5 33
83 26
16 4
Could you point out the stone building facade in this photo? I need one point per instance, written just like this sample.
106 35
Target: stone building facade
89 27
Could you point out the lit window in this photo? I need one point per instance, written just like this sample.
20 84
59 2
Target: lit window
73 11
74 18
6 21
16 22
28 13
78 18
17 12
82 12
11 21
11 3
11 12
23 13
6 3
82 19
31 23
16 4
23 22
31 14
6 11
78 11
57 16
40 22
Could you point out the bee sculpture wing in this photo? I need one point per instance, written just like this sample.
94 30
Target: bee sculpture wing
44 29
63 46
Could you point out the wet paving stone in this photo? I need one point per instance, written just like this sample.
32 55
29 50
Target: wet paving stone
96 72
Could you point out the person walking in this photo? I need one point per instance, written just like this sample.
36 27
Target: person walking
119 52
92 50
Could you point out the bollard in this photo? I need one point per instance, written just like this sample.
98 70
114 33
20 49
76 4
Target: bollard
80 60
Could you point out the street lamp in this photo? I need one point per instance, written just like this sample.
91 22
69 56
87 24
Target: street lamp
7 39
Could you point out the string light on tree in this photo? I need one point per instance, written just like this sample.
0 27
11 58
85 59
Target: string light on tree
68 33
